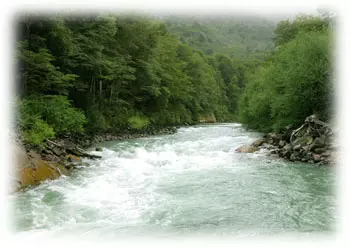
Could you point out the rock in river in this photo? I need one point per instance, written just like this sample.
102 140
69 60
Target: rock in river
247 149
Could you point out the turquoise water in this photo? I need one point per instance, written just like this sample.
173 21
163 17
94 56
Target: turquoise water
188 183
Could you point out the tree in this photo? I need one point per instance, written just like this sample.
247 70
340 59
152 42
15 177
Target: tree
294 84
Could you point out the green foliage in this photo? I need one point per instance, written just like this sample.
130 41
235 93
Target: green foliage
106 72
96 119
40 75
138 122
113 67
254 103
34 130
288 30
37 132
294 84
57 112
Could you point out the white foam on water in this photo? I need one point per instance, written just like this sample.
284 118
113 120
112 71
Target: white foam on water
143 185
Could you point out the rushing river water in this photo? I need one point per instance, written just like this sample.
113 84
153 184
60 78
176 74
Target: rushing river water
188 183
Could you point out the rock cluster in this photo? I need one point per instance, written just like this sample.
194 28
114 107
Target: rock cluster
312 143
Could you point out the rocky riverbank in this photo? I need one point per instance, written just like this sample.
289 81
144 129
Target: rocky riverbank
87 140
61 156
313 142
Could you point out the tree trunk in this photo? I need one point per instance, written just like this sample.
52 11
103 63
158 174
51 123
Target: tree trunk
91 84
111 93
94 90
100 87
100 84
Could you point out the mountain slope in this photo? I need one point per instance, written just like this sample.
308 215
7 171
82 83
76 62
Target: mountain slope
238 37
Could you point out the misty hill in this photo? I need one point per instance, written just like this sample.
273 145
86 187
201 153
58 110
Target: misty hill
238 37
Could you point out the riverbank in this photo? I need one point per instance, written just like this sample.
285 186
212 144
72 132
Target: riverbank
60 156
313 142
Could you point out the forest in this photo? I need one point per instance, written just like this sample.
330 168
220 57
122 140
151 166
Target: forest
113 73
297 79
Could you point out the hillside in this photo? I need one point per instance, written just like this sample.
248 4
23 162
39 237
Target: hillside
238 37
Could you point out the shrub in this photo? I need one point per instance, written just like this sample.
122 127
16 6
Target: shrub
34 130
44 117
39 131
138 122
57 112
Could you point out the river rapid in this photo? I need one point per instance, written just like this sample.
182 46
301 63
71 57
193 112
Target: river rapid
188 183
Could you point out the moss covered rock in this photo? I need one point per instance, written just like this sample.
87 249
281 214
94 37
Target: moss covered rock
26 177
41 171
44 171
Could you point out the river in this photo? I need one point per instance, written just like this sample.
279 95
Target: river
188 183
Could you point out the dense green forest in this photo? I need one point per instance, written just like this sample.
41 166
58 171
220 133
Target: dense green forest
296 81
111 73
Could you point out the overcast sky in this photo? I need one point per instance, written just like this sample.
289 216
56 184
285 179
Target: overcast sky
272 15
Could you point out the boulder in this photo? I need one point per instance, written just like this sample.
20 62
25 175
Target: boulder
304 140
296 147
320 150
309 140
73 158
40 172
317 143
57 151
294 157
259 142
281 143
287 147
274 151
307 156
286 151
287 133
26 177
274 138
44 171
98 149
247 149
311 118
316 157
